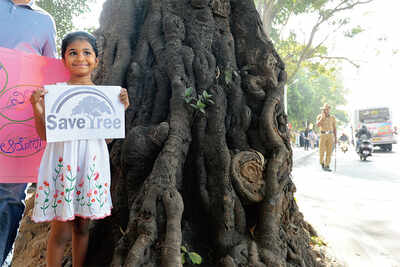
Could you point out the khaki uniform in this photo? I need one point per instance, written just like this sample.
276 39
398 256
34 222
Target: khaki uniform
326 140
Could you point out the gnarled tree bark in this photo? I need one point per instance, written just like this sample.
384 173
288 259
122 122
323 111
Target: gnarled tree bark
217 183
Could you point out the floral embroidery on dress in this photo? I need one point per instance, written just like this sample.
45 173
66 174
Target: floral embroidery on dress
62 189
46 191
92 195
69 186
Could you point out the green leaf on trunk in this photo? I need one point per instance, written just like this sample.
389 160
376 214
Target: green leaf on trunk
228 76
188 91
200 104
195 258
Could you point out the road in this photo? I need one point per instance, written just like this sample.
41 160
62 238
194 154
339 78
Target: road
355 209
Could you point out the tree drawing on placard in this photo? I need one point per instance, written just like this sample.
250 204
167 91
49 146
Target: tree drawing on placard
91 107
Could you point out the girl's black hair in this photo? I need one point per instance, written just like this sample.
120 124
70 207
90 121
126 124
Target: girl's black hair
80 35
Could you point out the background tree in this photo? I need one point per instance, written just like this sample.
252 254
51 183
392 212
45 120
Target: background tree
218 184
328 18
306 54
64 12
309 92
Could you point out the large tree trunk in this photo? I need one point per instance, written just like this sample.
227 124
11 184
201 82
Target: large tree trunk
218 182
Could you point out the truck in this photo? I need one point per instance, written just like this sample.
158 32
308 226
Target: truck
378 120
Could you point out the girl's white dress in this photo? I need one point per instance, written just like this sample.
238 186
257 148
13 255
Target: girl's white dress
73 180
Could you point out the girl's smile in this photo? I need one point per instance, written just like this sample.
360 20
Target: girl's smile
80 59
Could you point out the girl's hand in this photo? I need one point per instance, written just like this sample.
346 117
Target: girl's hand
124 98
38 95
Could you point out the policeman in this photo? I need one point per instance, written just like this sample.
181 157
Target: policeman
327 125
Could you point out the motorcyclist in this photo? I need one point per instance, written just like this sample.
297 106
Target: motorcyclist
360 133
344 138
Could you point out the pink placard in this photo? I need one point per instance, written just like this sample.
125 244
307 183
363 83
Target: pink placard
20 147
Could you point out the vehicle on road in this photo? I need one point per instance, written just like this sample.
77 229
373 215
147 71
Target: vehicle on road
344 142
344 146
379 123
365 147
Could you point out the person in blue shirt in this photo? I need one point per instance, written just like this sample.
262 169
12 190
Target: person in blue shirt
26 27
23 27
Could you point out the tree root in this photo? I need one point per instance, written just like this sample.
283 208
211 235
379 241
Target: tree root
171 249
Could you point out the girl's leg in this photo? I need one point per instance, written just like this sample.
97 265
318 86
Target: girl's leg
60 235
80 240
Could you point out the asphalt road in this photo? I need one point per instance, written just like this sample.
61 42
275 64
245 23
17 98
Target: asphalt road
356 209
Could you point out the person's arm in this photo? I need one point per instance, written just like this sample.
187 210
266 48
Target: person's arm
124 98
334 128
319 119
37 101
50 49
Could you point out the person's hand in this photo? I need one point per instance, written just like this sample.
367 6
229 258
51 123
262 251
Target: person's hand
124 98
38 95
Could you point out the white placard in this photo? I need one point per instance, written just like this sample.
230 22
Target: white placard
76 112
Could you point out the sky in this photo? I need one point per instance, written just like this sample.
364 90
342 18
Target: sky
90 19
375 82
377 51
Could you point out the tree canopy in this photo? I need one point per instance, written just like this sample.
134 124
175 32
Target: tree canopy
313 73
64 12
327 19
309 92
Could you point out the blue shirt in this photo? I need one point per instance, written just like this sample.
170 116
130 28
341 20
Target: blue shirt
27 28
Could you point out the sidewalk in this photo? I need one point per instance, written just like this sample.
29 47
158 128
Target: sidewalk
300 154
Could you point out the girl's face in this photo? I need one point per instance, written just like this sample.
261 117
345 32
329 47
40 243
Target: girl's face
80 58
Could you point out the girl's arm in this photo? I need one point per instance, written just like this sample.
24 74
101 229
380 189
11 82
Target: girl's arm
124 98
37 101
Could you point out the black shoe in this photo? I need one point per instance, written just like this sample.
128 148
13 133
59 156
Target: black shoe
323 167
327 169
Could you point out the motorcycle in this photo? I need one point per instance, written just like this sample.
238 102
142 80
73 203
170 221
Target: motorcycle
365 148
343 146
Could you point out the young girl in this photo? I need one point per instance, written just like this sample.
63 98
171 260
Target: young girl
74 176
